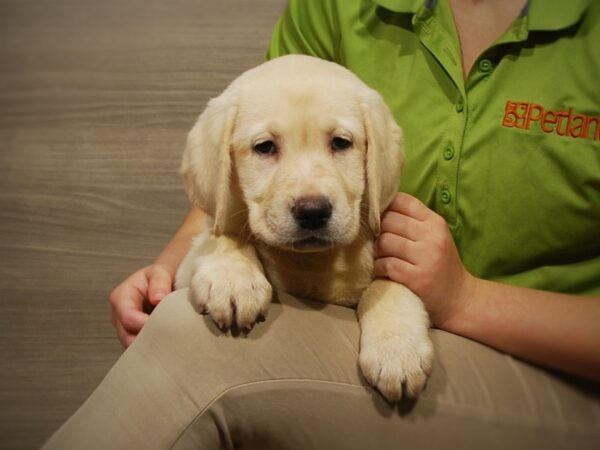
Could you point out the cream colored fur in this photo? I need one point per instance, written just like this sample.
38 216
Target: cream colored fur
254 244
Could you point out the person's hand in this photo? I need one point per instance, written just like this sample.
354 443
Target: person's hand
134 299
415 248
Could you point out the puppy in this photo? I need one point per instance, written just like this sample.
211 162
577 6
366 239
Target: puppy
295 161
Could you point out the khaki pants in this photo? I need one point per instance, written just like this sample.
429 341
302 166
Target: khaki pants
293 383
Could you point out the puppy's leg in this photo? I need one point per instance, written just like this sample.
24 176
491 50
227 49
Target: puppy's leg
395 351
226 280
187 267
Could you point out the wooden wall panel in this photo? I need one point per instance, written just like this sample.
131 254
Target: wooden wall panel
96 99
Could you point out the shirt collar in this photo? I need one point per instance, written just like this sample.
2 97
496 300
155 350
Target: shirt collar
542 15
551 15
403 6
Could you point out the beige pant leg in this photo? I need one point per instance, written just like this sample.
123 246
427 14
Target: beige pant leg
293 383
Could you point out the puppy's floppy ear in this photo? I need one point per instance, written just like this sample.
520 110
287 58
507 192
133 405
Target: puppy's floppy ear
207 164
384 156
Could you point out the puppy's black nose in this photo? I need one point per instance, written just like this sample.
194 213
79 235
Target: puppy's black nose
312 212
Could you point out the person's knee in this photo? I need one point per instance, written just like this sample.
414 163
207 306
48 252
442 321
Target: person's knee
280 414
174 324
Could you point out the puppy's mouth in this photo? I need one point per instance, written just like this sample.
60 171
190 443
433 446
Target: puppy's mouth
303 243
311 243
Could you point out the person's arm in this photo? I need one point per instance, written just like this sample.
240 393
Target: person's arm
132 300
176 249
555 330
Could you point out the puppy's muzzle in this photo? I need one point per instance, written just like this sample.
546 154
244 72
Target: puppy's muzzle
312 212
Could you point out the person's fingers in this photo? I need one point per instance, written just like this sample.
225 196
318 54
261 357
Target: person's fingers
160 283
127 301
395 269
131 291
402 225
408 205
129 294
125 338
124 335
392 245
133 320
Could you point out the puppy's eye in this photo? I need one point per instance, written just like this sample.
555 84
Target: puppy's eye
265 148
340 143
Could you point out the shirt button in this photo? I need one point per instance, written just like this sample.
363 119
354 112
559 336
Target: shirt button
485 65
460 106
446 196
449 152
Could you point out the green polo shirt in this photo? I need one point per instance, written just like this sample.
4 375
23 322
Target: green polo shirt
510 157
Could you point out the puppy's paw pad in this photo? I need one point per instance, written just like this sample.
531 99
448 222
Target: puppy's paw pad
397 367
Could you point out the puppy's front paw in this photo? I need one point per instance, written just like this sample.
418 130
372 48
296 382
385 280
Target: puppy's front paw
397 366
230 291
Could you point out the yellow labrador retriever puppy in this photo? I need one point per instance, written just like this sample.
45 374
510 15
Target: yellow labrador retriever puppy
295 161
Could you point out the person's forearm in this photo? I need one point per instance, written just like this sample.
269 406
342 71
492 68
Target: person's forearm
555 330
174 252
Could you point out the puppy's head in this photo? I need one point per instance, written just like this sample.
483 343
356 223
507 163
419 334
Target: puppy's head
300 149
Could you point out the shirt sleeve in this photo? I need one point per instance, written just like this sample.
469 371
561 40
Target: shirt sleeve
306 27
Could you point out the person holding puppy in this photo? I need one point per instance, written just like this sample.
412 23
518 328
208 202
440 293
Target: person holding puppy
511 227
496 227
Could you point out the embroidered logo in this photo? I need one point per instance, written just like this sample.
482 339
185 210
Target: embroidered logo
563 123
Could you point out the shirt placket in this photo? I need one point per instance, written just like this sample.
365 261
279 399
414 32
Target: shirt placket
443 47
440 44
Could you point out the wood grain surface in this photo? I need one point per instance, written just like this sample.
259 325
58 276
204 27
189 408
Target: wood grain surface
96 98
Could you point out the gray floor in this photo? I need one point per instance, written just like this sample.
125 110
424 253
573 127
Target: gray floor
96 98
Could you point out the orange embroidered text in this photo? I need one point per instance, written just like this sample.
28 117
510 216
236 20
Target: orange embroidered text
564 122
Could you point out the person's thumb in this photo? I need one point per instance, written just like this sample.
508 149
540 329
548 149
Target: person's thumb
160 283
